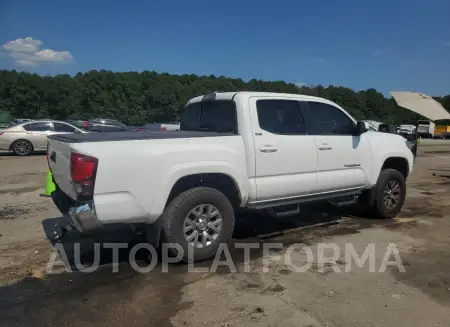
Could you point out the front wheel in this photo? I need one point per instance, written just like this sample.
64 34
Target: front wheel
390 194
198 220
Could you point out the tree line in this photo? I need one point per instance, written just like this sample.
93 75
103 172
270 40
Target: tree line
139 98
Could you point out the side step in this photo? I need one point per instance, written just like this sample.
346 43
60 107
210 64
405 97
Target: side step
336 197
293 209
344 201
283 211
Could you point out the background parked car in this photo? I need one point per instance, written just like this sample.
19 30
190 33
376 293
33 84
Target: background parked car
16 121
83 124
387 128
23 139
442 136
108 125
160 127
171 126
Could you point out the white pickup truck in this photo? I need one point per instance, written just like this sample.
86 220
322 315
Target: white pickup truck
234 150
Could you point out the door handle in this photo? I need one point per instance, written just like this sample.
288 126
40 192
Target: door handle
268 149
324 145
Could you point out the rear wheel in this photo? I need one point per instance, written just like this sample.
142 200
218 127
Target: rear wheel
198 220
390 193
22 147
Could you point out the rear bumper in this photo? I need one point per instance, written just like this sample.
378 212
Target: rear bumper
81 215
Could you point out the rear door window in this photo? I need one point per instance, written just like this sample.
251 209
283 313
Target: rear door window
283 117
60 127
37 127
217 116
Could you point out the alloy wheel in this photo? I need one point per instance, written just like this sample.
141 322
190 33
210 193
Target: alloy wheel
202 225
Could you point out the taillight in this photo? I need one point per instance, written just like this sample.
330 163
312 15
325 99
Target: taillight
85 124
164 128
83 170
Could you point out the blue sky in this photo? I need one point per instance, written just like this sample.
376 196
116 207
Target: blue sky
387 45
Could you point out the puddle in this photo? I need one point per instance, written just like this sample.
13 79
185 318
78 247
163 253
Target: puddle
16 191
9 212
21 211
427 271
101 297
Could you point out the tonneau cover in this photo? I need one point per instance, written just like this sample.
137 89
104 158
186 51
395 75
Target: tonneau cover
128 136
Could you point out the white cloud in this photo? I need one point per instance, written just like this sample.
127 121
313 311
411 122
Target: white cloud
28 52
300 84
377 53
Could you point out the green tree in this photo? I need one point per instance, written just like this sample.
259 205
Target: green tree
139 98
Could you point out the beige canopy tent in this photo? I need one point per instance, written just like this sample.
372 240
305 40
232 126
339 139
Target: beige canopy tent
421 104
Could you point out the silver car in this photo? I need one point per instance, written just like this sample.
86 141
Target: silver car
25 138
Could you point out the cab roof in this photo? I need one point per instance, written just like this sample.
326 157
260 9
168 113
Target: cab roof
249 94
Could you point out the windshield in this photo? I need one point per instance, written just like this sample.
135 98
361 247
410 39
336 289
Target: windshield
217 116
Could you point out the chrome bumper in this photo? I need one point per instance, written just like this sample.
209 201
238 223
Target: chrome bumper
83 217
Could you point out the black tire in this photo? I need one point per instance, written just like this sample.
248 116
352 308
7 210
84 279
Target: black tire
176 212
379 209
26 150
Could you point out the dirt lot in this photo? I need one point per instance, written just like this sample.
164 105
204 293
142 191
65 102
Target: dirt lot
419 296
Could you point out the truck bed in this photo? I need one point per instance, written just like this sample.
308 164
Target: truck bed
128 136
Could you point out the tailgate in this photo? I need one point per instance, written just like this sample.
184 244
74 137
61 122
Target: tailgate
59 163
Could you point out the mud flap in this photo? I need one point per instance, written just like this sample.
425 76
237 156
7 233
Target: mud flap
61 200
153 233
368 197
414 151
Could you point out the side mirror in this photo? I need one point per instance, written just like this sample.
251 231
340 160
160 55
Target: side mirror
361 127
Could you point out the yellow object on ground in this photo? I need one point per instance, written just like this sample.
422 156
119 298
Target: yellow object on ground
49 185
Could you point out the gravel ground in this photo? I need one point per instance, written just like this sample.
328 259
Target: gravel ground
329 295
